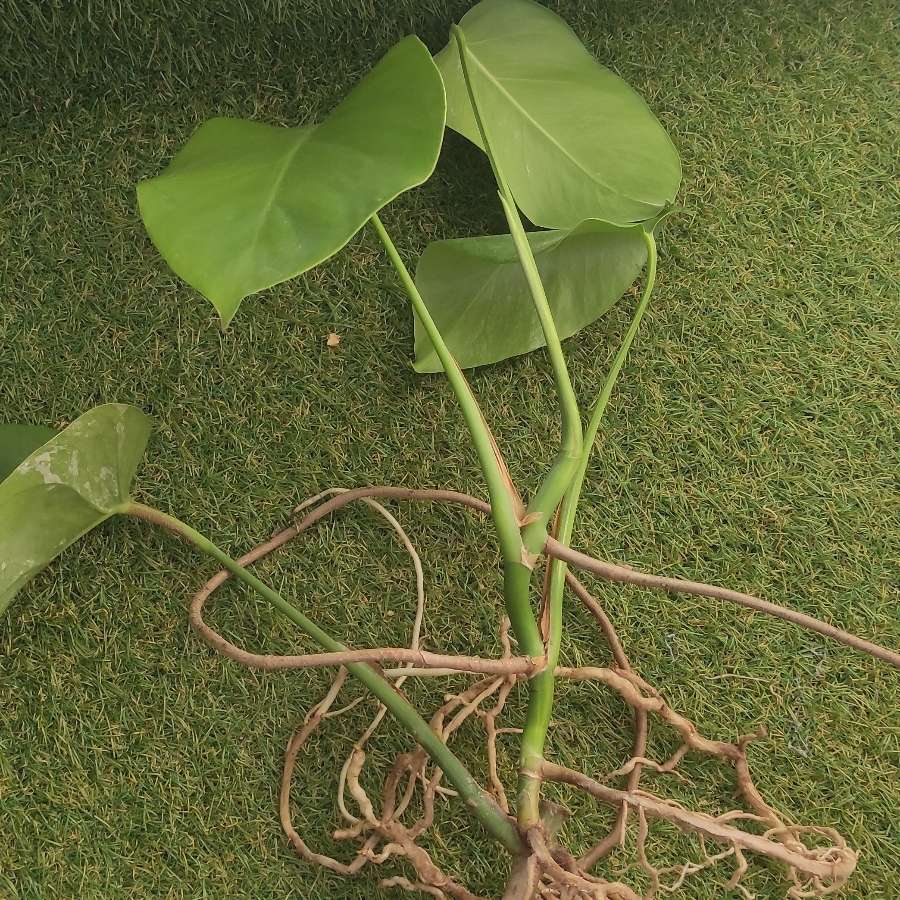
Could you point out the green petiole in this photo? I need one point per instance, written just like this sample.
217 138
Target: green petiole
539 710
482 805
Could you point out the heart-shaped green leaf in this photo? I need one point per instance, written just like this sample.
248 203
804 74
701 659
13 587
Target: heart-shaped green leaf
66 487
17 441
571 138
477 294
244 206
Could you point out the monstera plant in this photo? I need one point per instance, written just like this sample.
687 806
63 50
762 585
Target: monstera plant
245 205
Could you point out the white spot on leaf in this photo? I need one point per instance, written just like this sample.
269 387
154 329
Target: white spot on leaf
42 465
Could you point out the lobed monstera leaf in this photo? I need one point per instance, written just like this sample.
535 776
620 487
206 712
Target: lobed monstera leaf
572 140
65 487
476 291
244 206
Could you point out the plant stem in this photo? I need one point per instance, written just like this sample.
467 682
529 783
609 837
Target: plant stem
504 501
557 480
554 485
535 734
479 802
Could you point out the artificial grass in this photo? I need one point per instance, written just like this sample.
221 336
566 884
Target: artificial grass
752 440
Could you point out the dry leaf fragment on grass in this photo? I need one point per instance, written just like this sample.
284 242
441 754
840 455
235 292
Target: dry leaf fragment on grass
333 339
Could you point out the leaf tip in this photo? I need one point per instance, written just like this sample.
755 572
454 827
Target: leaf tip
227 310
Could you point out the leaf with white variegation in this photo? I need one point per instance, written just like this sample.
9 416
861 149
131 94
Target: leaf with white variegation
17 441
65 487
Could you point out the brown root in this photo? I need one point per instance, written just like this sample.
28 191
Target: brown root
817 861
606 570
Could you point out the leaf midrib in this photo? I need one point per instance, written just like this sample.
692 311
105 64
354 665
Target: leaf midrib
305 133
540 128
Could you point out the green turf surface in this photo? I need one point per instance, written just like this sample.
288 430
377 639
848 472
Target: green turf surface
752 442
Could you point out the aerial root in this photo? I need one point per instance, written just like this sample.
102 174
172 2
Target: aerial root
608 571
817 860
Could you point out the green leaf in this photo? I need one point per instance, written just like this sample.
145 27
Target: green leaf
572 140
17 441
244 206
66 487
477 294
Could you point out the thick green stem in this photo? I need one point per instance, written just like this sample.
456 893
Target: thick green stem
517 595
503 498
554 485
535 735
483 807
